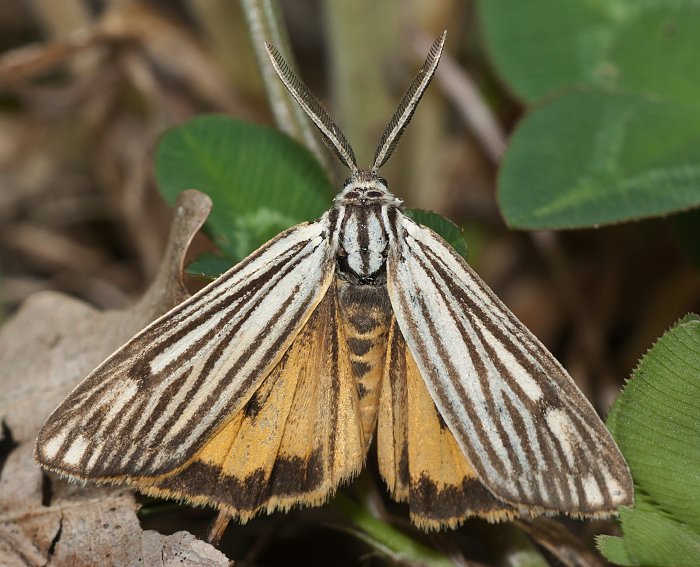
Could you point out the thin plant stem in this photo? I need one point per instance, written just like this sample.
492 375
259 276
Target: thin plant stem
265 24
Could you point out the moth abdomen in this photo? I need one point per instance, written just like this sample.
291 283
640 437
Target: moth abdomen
365 313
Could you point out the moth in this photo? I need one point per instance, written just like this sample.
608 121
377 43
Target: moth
264 390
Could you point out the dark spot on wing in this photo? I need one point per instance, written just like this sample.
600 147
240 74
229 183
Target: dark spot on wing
253 407
140 370
450 501
295 475
290 476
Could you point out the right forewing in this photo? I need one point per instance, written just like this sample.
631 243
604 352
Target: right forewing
155 402
531 436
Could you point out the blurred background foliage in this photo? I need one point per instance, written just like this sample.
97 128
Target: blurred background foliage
543 115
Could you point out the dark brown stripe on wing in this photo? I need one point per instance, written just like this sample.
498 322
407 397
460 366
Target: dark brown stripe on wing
481 370
496 460
282 271
452 502
334 320
204 311
175 413
218 285
246 384
295 476
291 476
542 356
272 276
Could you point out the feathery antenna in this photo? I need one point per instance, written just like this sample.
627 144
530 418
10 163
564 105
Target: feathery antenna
408 104
330 132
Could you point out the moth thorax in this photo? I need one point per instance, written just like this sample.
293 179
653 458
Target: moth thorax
365 314
363 245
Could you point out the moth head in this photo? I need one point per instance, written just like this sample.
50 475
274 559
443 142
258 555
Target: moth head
335 139
366 187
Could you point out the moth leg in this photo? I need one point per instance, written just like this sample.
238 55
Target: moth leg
219 527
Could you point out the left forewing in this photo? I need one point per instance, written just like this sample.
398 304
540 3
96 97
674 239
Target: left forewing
532 437
297 438
154 403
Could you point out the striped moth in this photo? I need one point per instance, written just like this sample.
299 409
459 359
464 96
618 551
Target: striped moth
264 390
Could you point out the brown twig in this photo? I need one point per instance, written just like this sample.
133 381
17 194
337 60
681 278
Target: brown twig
218 527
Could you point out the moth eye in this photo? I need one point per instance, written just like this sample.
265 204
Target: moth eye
374 194
351 195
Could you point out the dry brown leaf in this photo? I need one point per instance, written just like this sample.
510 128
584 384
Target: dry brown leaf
136 49
82 525
172 46
45 350
175 50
